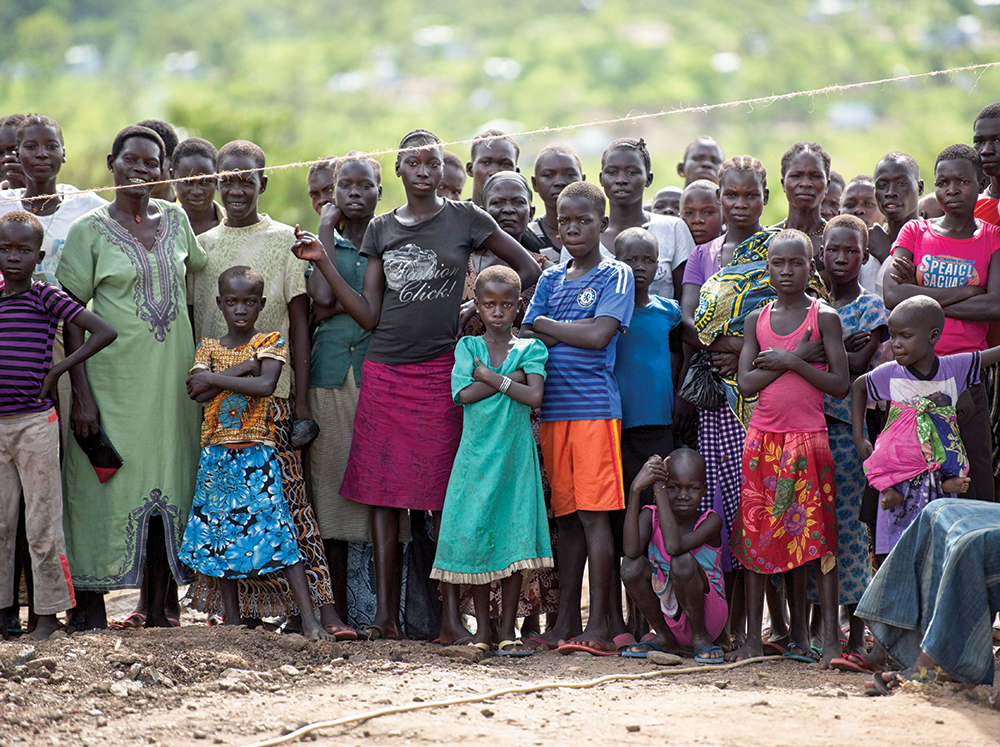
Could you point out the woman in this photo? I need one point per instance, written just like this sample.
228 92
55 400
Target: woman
130 259
805 172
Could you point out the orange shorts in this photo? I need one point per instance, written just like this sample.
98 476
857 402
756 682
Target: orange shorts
583 461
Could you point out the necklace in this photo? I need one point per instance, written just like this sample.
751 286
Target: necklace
38 207
817 232
137 218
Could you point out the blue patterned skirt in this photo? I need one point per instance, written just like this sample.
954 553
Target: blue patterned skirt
239 526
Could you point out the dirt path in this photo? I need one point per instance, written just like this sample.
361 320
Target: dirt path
197 686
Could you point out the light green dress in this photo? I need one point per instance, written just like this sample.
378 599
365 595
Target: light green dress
494 521
139 386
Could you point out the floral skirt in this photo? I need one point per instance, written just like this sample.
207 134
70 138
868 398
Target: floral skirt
239 524
787 512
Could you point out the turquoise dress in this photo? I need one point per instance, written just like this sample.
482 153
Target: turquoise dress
494 520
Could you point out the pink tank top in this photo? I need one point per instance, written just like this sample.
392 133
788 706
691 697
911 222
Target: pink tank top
790 404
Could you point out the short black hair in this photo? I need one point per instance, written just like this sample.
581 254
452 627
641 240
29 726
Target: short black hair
684 457
508 176
418 137
562 150
629 143
590 192
744 164
862 179
137 131
38 120
195 146
923 308
244 148
12 120
707 139
904 158
357 156
961 152
500 274
792 236
488 137
450 159
990 111
703 185
805 146
635 233
836 178
25 218
167 133
850 222
326 163
242 271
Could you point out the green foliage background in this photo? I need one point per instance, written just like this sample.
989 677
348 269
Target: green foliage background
264 68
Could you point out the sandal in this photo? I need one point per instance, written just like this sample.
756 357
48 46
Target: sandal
540 644
372 633
852 663
131 622
796 652
709 655
921 676
341 632
506 648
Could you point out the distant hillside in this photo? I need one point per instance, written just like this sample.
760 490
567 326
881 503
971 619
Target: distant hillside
308 79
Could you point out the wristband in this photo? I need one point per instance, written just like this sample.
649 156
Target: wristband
505 385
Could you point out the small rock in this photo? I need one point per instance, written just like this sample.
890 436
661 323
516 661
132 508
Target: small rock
54 715
632 727
56 678
15 699
231 661
841 692
118 689
487 713
663 659
293 642
417 699
26 654
101 721
95 712
134 671
200 735
288 670
468 653
47 663
721 684
574 669
149 676
760 703
938 721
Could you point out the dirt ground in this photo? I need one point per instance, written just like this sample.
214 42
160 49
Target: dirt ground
198 686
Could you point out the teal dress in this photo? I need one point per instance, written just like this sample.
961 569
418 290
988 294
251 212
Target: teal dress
494 520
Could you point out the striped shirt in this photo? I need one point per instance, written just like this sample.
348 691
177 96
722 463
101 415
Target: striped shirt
28 324
580 384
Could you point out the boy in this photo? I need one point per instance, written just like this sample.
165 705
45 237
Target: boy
642 360
986 141
831 199
667 201
453 178
702 159
29 427
492 151
583 304
956 263
859 200
680 587
555 167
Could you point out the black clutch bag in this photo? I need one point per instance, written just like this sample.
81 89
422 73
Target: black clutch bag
103 456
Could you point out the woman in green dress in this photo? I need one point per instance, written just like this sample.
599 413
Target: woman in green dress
130 259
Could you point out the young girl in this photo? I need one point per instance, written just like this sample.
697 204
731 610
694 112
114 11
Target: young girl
863 323
197 157
417 257
625 173
239 524
555 167
494 524
920 455
787 516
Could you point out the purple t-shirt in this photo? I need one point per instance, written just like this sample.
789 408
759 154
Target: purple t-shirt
704 261
28 323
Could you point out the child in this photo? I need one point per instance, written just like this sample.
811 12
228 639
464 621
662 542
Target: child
319 182
494 525
11 175
169 137
453 177
625 173
986 141
859 200
197 157
863 323
786 516
898 187
673 566
255 240
702 159
701 212
555 167
29 427
929 207
956 263
583 304
239 525
667 201
642 360
831 199
919 456
491 151
417 256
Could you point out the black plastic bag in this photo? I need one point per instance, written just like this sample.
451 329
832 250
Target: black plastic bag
702 386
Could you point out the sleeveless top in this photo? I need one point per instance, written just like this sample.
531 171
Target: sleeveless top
708 557
790 404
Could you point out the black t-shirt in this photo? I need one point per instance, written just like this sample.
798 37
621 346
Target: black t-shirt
424 268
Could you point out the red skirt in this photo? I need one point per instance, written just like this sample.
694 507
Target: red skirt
406 432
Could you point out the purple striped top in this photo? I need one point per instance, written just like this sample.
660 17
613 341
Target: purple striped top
28 323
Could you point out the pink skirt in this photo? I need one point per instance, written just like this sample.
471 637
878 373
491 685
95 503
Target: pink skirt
406 431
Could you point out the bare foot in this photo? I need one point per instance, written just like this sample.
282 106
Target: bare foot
957 485
47 625
312 630
891 498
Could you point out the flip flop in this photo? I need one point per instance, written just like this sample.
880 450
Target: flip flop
174 622
704 655
774 649
594 648
921 676
372 633
13 627
540 644
852 663
341 632
796 652
484 647
629 653
504 649
624 640
130 622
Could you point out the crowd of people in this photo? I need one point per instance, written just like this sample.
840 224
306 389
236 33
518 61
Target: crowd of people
455 407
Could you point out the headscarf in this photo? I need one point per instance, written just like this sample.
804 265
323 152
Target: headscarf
507 176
